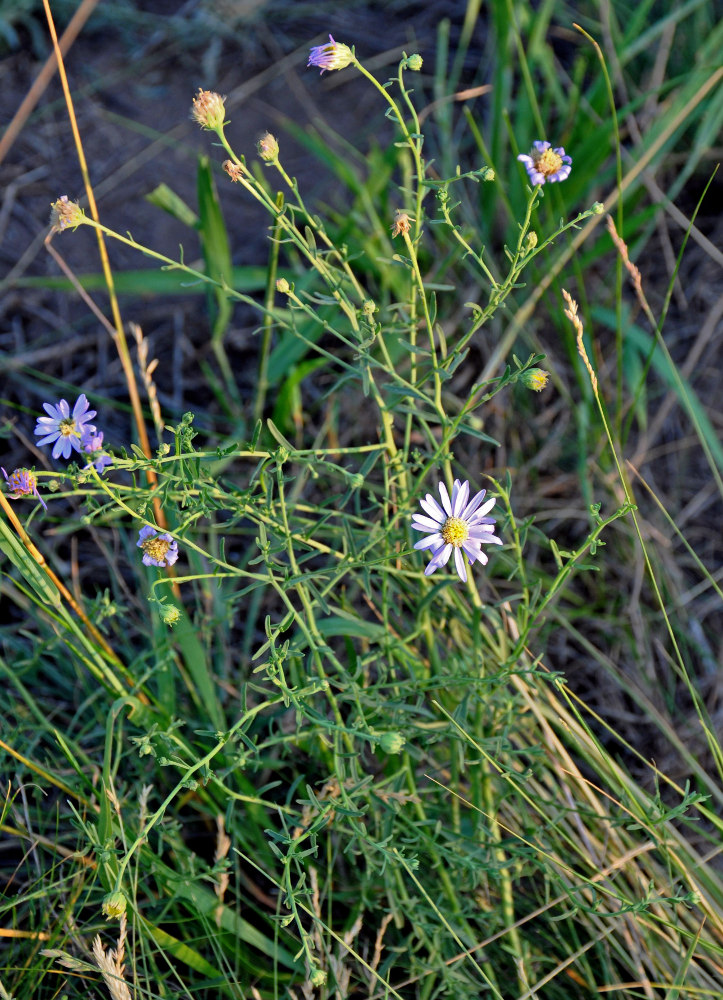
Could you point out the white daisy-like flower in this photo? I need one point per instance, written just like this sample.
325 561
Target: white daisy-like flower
459 524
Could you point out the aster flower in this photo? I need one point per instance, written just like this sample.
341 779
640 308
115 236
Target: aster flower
544 164
63 427
22 483
460 524
331 55
158 549
91 443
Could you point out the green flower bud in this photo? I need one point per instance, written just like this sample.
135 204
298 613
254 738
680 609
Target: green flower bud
414 62
598 208
317 977
170 614
283 286
535 378
114 904
392 742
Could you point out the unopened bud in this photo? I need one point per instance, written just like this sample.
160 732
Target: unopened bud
170 614
392 742
282 286
268 148
114 904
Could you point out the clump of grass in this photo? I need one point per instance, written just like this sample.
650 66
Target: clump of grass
293 755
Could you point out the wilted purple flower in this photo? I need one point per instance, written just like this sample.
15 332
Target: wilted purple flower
331 55
158 549
91 444
22 483
544 164
64 427
457 524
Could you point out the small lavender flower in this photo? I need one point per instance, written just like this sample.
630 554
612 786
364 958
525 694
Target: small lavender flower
64 428
545 165
459 524
92 443
22 483
331 55
158 549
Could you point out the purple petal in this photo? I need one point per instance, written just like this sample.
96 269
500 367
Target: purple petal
422 523
439 558
473 504
429 542
459 565
460 497
445 499
433 509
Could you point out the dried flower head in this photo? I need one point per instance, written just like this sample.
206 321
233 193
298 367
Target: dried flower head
209 110
22 483
268 148
402 223
159 549
63 427
234 170
459 524
545 165
331 55
65 214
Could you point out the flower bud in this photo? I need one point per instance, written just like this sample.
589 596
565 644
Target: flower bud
369 307
317 977
268 148
598 208
531 240
414 62
234 170
114 904
283 286
535 378
170 615
392 742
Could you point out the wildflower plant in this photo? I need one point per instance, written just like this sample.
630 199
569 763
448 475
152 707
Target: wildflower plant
346 672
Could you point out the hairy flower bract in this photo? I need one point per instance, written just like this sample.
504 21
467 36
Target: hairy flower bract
459 525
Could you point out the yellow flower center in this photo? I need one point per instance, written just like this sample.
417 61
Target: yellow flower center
156 548
547 162
455 531
67 428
